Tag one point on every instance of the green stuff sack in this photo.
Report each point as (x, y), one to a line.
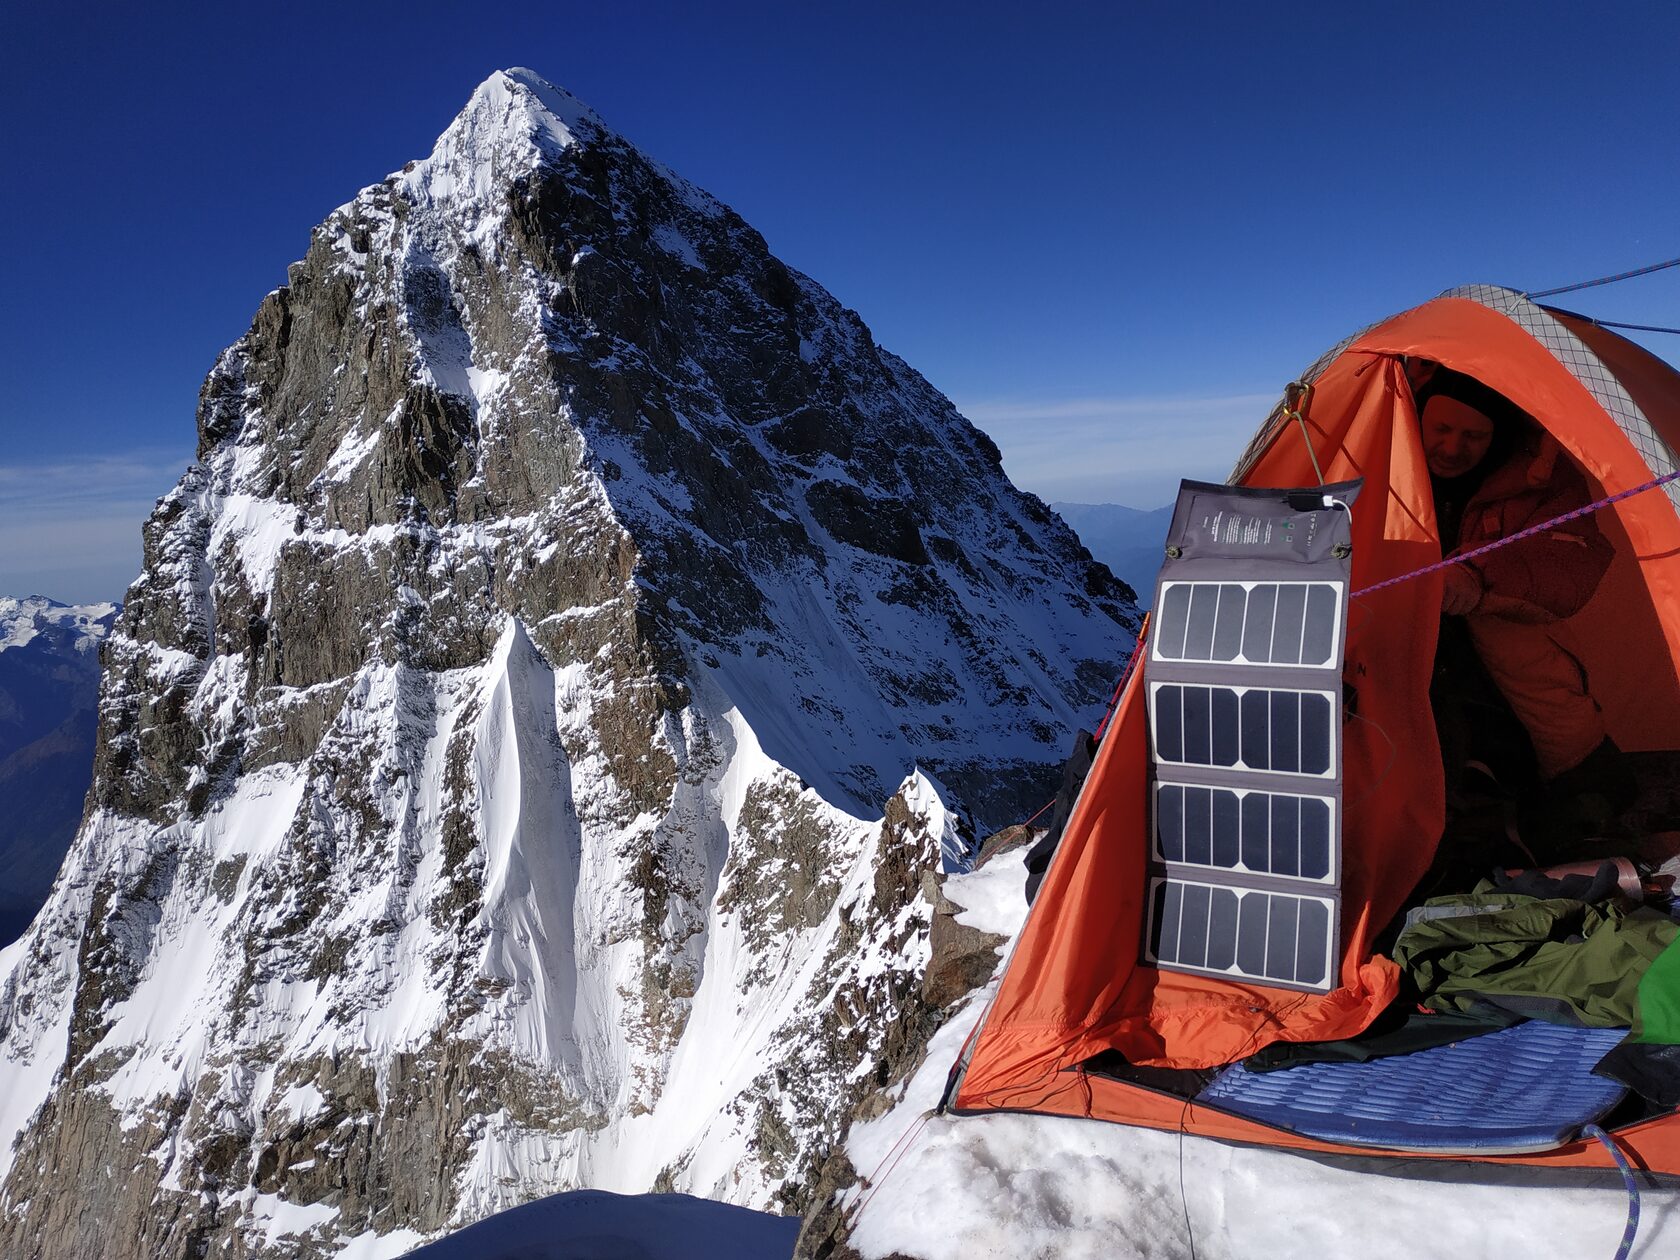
(1657, 1020)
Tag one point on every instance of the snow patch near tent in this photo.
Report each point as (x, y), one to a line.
(992, 898)
(1053, 1188)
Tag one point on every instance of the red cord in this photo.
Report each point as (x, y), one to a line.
(1125, 677)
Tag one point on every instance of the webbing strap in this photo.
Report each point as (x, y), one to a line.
(1521, 534)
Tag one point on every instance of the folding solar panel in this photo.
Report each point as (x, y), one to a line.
(1244, 695)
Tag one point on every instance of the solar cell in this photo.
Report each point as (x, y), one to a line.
(1173, 621)
(1266, 936)
(1250, 623)
(1270, 730)
(1244, 693)
(1245, 830)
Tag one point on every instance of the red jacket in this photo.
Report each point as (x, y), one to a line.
(1553, 574)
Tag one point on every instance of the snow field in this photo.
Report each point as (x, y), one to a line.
(1048, 1188)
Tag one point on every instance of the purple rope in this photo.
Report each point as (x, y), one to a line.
(1521, 534)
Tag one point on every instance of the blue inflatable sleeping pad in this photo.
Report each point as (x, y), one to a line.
(1529, 1087)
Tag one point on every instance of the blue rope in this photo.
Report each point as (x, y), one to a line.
(1593, 284)
(1608, 323)
(1627, 1180)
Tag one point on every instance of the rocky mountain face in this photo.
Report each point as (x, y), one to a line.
(49, 693)
(1132, 543)
(519, 762)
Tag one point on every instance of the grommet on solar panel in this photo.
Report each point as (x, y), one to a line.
(1244, 695)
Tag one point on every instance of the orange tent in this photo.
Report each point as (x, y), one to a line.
(1076, 987)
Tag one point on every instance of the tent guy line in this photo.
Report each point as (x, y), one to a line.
(1593, 284)
(1610, 323)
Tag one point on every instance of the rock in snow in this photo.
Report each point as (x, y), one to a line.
(520, 757)
(49, 691)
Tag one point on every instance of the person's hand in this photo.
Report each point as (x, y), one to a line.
(1462, 590)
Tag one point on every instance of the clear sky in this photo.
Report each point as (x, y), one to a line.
(1110, 232)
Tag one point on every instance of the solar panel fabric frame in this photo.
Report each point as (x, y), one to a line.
(1243, 682)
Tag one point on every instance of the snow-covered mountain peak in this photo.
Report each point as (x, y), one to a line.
(82, 626)
(514, 120)
(559, 104)
(543, 707)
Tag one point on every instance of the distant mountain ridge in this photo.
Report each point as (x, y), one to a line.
(1129, 541)
(49, 699)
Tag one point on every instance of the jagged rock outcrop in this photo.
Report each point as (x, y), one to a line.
(49, 692)
(962, 957)
(520, 759)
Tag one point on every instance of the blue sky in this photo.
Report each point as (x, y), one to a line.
(1109, 232)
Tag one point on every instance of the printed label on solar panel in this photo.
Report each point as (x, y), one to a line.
(1249, 623)
(1261, 526)
(1262, 729)
(1246, 831)
(1243, 933)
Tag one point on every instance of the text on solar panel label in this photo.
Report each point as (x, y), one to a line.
(1262, 936)
(1250, 623)
(1263, 833)
(1273, 731)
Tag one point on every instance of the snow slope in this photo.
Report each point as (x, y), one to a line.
(1047, 1188)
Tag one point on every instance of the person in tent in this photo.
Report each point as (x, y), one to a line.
(1493, 472)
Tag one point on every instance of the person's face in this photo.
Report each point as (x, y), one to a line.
(1456, 436)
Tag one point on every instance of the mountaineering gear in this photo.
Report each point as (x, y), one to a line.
(1554, 958)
